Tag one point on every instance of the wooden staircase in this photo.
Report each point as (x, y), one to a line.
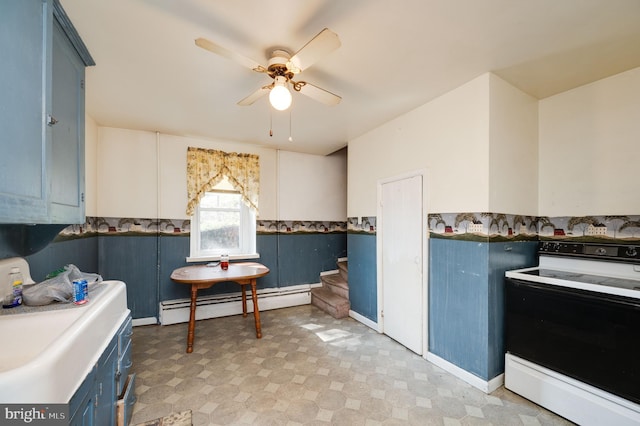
(333, 296)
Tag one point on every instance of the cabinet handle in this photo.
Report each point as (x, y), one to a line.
(51, 120)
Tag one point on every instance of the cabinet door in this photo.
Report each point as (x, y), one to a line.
(106, 386)
(86, 415)
(82, 403)
(67, 134)
(24, 29)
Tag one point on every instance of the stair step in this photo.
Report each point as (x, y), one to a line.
(336, 284)
(328, 301)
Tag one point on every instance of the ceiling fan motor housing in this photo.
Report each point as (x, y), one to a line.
(277, 65)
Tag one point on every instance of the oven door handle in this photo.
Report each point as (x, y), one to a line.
(577, 292)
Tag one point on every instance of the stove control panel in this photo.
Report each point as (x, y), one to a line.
(614, 252)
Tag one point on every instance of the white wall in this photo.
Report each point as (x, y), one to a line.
(513, 150)
(448, 136)
(90, 163)
(143, 175)
(127, 173)
(590, 149)
(300, 175)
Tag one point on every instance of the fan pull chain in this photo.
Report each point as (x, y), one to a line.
(290, 137)
(270, 123)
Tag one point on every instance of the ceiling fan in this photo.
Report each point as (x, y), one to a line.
(282, 68)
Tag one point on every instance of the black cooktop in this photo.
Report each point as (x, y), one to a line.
(586, 278)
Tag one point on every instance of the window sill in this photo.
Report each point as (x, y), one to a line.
(217, 258)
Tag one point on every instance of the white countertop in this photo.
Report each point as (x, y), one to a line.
(47, 354)
(582, 280)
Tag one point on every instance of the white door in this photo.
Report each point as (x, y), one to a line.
(402, 262)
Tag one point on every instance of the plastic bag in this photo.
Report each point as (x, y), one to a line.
(58, 288)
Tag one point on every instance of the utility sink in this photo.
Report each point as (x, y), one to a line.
(48, 351)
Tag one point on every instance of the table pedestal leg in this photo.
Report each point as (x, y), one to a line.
(192, 319)
(256, 311)
(244, 301)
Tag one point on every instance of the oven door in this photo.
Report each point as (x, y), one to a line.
(591, 337)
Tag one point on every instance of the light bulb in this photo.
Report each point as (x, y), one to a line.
(280, 97)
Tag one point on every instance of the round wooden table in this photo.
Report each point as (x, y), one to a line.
(203, 276)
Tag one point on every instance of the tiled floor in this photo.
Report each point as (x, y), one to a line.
(308, 368)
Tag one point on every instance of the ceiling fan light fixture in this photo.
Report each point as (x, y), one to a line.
(280, 96)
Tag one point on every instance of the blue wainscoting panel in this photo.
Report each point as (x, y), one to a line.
(363, 284)
(175, 249)
(134, 260)
(503, 257)
(458, 293)
(82, 252)
(301, 257)
(267, 247)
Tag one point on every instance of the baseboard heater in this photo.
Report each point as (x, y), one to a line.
(222, 305)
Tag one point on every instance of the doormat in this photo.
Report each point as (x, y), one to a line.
(176, 419)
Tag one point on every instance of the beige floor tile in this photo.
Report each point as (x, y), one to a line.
(308, 369)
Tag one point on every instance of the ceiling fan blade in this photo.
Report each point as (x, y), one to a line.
(322, 44)
(219, 50)
(318, 94)
(255, 96)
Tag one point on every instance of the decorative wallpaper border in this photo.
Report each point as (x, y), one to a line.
(600, 229)
(497, 227)
(265, 227)
(363, 225)
(483, 227)
(125, 226)
(182, 227)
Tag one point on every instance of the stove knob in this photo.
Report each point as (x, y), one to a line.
(601, 251)
(631, 252)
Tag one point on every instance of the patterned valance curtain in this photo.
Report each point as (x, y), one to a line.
(207, 167)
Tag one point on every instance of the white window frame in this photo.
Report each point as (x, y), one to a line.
(247, 249)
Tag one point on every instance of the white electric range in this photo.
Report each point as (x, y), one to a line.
(572, 332)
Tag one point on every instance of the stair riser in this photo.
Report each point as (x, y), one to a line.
(341, 311)
(344, 272)
(342, 292)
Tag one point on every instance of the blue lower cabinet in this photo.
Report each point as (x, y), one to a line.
(101, 395)
(106, 385)
(82, 403)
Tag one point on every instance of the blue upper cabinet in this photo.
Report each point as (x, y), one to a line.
(67, 134)
(23, 39)
(41, 114)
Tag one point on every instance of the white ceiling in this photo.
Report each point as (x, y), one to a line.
(395, 56)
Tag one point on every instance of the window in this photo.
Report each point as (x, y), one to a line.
(222, 224)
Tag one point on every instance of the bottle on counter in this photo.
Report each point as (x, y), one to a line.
(14, 297)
